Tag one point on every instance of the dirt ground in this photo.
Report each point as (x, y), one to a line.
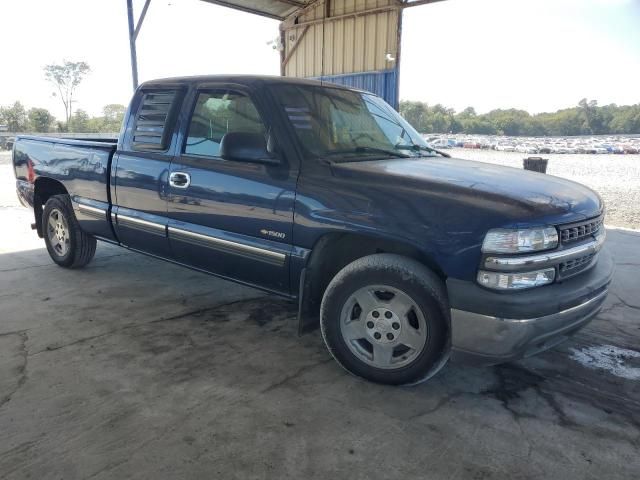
(135, 368)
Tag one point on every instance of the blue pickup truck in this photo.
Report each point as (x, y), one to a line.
(327, 196)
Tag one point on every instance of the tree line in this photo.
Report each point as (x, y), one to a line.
(18, 119)
(65, 77)
(587, 118)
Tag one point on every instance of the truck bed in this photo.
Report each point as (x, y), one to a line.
(81, 165)
(81, 162)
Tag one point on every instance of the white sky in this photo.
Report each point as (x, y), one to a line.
(538, 55)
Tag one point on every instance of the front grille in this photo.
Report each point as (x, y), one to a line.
(575, 265)
(578, 231)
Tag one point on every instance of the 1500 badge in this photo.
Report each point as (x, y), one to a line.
(271, 233)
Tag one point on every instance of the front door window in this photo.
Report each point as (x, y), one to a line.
(215, 115)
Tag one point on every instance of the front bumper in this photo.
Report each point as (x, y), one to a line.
(489, 327)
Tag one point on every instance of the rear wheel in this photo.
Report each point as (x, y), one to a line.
(67, 244)
(384, 317)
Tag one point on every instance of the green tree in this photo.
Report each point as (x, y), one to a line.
(110, 121)
(468, 112)
(414, 113)
(79, 122)
(40, 119)
(112, 115)
(592, 118)
(509, 122)
(61, 127)
(626, 120)
(66, 77)
(584, 119)
(14, 117)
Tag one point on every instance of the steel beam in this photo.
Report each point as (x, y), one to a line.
(141, 19)
(417, 3)
(133, 36)
(287, 57)
(362, 13)
(295, 3)
(132, 45)
(302, 11)
(245, 9)
(396, 104)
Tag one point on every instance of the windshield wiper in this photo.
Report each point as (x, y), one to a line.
(416, 147)
(384, 151)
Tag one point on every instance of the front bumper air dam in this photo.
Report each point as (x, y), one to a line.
(509, 326)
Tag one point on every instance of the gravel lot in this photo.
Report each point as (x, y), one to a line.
(615, 177)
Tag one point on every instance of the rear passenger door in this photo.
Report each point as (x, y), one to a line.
(140, 176)
(232, 218)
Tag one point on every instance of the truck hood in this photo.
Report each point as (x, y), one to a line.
(519, 194)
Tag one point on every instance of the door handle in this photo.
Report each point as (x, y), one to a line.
(179, 179)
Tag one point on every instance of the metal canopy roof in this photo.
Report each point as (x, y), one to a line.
(281, 9)
(276, 9)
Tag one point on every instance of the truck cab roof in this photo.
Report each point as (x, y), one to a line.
(246, 80)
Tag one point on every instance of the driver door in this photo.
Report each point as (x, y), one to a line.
(232, 218)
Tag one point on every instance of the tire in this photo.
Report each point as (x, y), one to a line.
(67, 244)
(416, 331)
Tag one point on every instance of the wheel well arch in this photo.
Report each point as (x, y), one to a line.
(342, 249)
(44, 189)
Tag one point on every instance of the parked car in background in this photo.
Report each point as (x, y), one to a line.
(325, 195)
(505, 147)
(526, 148)
(612, 144)
(443, 143)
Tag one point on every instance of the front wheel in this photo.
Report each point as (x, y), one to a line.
(66, 243)
(385, 318)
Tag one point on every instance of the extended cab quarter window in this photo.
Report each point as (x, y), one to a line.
(215, 115)
(154, 120)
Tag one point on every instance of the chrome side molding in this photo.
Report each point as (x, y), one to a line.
(139, 224)
(215, 243)
(228, 246)
(92, 211)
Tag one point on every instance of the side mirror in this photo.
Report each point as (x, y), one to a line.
(246, 147)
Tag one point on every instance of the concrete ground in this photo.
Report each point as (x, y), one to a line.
(135, 368)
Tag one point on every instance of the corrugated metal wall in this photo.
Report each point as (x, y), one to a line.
(383, 84)
(357, 36)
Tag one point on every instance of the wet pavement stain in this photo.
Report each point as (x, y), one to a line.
(621, 362)
(512, 381)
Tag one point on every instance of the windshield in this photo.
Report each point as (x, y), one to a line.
(347, 125)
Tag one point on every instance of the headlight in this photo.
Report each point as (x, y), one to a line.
(516, 281)
(518, 241)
